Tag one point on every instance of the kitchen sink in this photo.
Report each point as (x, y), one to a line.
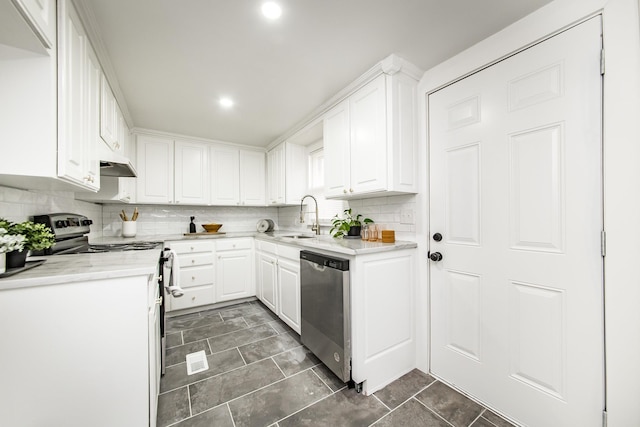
(299, 236)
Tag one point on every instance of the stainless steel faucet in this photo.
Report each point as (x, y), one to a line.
(315, 227)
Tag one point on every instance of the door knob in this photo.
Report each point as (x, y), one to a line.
(437, 237)
(436, 256)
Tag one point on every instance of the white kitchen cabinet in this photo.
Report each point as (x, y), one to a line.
(279, 280)
(155, 362)
(108, 116)
(252, 178)
(155, 169)
(370, 140)
(96, 335)
(237, 177)
(286, 174)
(289, 286)
(77, 66)
(197, 274)
(235, 276)
(40, 15)
(191, 170)
(267, 280)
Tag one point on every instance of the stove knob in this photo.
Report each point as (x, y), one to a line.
(62, 223)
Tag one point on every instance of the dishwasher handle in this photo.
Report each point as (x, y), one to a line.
(325, 261)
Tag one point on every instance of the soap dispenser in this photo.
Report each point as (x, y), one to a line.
(192, 226)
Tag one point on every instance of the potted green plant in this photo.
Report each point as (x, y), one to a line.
(37, 237)
(349, 225)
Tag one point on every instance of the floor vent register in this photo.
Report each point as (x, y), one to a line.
(196, 362)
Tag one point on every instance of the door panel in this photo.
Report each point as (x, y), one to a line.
(516, 191)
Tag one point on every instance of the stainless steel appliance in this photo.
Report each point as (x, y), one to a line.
(325, 310)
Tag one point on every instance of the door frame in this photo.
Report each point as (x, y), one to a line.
(621, 106)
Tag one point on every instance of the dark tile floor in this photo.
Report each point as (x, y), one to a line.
(260, 375)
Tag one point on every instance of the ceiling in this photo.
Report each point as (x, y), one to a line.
(174, 59)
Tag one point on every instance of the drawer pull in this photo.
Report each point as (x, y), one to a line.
(193, 277)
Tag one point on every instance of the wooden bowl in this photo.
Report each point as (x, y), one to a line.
(211, 228)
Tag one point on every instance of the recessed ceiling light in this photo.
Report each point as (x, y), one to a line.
(226, 102)
(271, 10)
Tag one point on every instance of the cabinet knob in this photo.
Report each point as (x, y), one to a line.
(193, 261)
(344, 191)
(193, 298)
(191, 247)
(193, 277)
(351, 190)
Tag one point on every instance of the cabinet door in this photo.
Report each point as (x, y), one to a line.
(234, 275)
(41, 17)
(368, 162)
(336, 138)
(155, 170)
(92, 162)
(252, 178)
(154, 351)
(268, 274)
(225, 176)
(289, 293)
(108, 115)
(276, 175)
(72, 130)
(296, 178)
(191, 173)
(121, 131)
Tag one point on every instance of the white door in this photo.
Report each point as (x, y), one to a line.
(233, 278)
(252, 173)
(155, 170)
(268, 281)
(191, 173)
(516, 193)
(225, 176)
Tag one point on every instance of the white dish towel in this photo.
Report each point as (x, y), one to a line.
(174, 275)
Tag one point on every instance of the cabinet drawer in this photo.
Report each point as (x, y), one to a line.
(194, 297)
(266, 246)
(233, 244)
(196, 259)
(196, 276)
(290, 252)
(192, 247)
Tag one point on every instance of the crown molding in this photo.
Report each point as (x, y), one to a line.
(90, 23)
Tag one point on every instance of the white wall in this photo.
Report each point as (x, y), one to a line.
(621, 177)
(19, 205)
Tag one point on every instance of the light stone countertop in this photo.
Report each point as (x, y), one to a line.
(61, 269)
(323, 242)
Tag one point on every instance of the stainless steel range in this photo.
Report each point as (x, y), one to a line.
(71, 231)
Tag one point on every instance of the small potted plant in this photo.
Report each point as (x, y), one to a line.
(37, 237)
(9, 243)
(350, 225)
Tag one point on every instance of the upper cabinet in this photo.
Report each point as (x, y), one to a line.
(237, 177)
(78, 80)
(109, 116)
(286, 174)
(28, 24)
(370, 138)
(155, 169)
(191, 173)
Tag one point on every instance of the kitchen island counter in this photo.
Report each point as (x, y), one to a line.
(63, 269)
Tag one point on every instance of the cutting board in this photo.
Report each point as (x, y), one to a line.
(204, 233)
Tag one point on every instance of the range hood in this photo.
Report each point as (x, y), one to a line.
(114, 164)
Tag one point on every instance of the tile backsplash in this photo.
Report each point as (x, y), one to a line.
(172, 219)
(395, 212)
(21, 205)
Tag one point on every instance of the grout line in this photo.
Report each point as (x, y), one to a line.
(241, 356)
(181, 338)
(384, 404)
(189, 400)
(209, 345)
(331, 393)
(478, 417)
(434, 412)
(230, 414)
(323, 381)
(285, 375)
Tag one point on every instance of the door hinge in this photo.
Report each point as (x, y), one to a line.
(602, 62)
(604, 418)
(603, 243)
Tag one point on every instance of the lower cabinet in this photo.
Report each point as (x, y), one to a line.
(86, 345)
(279, 281)
(197, 274)
(235, 277)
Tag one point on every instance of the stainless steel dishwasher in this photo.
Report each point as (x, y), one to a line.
(325, 310)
